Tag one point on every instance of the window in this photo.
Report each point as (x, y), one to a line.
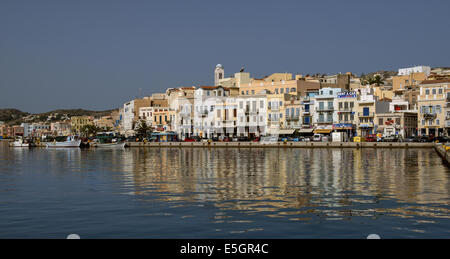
(427, 92)
(261, 104)
(423, 122)
(253, 91)
(440, 90)
(380, 121)
(433, 91)
(287, 90)
(281, 90)
(397, 121)
(276, 90)
(287, 112)
(340, 105)
(242, 93)
(241, 105)
(437, 121)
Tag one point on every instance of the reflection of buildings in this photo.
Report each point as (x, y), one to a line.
(332, 182)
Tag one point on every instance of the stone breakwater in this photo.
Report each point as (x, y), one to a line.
(283, 144)
(444, 152)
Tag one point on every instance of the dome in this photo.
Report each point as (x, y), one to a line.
(219, 66)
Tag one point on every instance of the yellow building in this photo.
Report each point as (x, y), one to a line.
(432, 102)
(77, 122)
(365, 112)
(408, 81)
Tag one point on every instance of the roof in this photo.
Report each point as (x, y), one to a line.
(428, 82)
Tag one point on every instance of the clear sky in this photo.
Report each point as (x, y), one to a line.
(99, 54)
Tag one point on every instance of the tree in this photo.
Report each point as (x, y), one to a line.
(370, 79)
(142, 129)
(89, 130)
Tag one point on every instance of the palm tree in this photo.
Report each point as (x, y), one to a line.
(143, 129)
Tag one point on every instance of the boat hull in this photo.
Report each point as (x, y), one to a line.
(72, 143)
(110, 145)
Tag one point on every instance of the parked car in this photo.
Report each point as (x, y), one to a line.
(243, 139)
(441, 139)
(189, 140)
(317, 137)
(371, 138)
(256, 139)
(390, 139)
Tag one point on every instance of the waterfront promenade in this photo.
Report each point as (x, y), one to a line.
(284, 144)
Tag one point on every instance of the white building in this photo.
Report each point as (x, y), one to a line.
(128, 118)
(214, 111)
(251, 115)
(416, 69)
(324, 112)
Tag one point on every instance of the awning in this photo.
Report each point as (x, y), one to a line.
(323, 131)
(306, 130)
(286, 132)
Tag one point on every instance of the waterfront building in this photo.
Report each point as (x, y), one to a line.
(324, 110)
(158, 118)
(35, 129)
(61, 128)
(104, 122)
(181, 101)
(78, 122)
(399, 123)
(346, 109)
(208, 120)
(131, 110)
(252, 114)
(432, 102)
(365, 111)
(306, 113)
(275, 112)
(292, 114)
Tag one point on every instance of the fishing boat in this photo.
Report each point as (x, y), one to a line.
(19, 143)
(70, 142)
(110, 145)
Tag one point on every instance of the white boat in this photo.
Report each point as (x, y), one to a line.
(110, 145)
(70, 142)
(19, 143)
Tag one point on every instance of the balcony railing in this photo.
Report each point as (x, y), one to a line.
(366, 114)
(345, 109)
(324, 121)
(428, 115)
(365, 124)
(292, 118)
(324, 109)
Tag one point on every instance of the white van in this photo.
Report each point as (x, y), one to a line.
(317, 137)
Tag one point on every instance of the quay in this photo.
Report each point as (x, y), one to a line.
(283, 144)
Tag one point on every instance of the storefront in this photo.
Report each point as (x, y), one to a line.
(347, 128)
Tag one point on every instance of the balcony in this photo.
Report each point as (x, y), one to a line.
(366, 114)
(204, 113)
(429, 115)
(345, 109)
(365, 124)
(292, 118)
(324, 121)
(277, 108)
(324, 109)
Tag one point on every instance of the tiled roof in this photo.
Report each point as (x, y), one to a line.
(428, 82)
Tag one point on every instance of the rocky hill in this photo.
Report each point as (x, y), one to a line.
(14, 116)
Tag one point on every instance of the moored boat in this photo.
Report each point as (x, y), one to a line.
(19, 143)
(110, 145)
(70, 142)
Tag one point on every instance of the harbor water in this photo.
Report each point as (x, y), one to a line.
(223, 193)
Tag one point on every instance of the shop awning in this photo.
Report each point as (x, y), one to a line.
(323, 131)
(306, 130)
(286, 132)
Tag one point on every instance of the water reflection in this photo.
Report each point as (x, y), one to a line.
(175, 192)
(329, 182)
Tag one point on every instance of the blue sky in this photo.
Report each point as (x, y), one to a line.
(99, 54)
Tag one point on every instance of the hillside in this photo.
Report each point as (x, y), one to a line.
(14, 116)
(7, 115)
